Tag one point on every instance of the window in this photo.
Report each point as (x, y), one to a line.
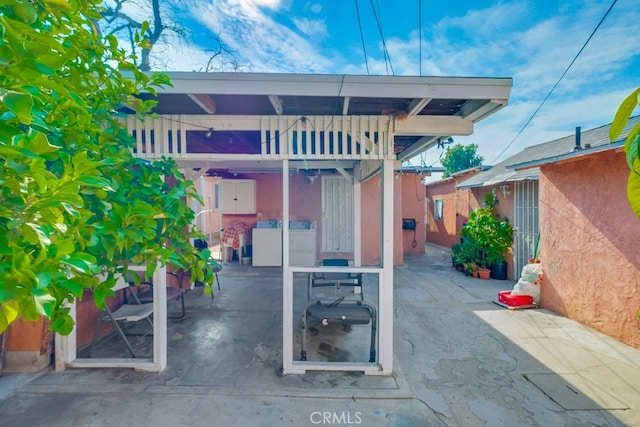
(437, 208)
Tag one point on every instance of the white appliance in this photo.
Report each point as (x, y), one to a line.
(302, 243)
(267, 244)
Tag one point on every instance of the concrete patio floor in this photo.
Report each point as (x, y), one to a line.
(460, 360)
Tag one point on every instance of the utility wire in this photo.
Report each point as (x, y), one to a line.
(420, 33)
(364, 49)
(384, 44)
(557, 83)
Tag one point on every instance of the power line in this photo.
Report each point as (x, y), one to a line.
(364, 49)
(420, 34)
(557, 83)
(384, 44)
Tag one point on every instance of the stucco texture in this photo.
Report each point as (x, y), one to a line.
(589, 245)
(413, 207)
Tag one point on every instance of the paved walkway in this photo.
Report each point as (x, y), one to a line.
(460, 360)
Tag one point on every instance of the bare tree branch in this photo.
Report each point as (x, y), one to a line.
(124, 17)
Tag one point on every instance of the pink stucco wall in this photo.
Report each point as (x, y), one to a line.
(413, 206)
(589, 245)
(306, 204)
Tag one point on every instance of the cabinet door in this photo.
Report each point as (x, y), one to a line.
(237, 196)
(246, 195)
(227, 196)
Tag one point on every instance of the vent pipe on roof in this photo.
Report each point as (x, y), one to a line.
(578, 146)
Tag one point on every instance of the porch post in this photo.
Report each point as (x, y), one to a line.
(357, 217)
(385, 300)
(160, 318)
(287, 280)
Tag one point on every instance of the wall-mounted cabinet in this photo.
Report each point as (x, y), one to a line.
(237, 196)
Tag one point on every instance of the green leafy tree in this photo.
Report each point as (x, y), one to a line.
(460, 157)
(631, 147)
(75, 203)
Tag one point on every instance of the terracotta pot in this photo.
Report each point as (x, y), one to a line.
(484, 273)
(475, 274)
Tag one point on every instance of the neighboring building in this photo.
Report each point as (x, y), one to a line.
(589, 235)
(448, 209)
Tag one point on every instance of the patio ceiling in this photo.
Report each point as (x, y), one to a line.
(427, 109)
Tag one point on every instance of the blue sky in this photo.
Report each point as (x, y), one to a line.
(531, 41)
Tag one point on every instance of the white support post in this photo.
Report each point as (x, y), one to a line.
(287, 281)
(357, 217)
(160, 318)
(65, 350)
(385, 300)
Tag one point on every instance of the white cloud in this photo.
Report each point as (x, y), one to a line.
(266, 44)
(315, 7)
(310, 27)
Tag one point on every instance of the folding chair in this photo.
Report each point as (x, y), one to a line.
(325, 311)
(127, 313)
(173, 293)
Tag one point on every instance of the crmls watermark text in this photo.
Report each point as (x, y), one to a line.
(336, 418)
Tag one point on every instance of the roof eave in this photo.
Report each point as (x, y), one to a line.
(563, 157)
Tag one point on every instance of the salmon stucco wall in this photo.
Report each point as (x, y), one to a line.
(413, 207)
(589, 245)
(371, 196)
(442, 231)
(456, 207)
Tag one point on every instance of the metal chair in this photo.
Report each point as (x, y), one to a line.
(173, 293)
(127, 313)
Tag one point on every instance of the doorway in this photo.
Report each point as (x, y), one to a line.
(337, 214)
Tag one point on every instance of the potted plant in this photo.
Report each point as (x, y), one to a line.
(471, 268)
(492, 234)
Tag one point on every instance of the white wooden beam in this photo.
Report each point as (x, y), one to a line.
(205, 102)
(339, 85)
(476, 110)
(433, 125)
(418, 147)
(345, 174)
(277, 104)
(417, 105)
(345, 105)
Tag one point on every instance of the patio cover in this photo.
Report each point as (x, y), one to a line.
(420, 112)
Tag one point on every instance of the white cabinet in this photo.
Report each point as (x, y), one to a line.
(237, 196)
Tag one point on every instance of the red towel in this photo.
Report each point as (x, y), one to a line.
(232, 232)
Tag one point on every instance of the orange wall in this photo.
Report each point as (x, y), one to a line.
(29, 336)
(372, 219)
(412, 191)
(456, 207)
(442, 231)
(589, 245)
